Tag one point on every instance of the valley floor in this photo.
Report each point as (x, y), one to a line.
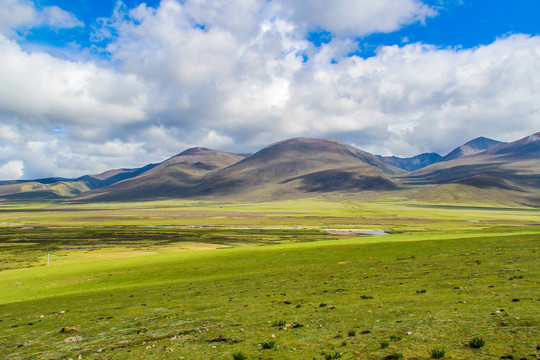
(124, 281)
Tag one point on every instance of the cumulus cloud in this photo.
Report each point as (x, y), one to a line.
(275, 84)
(12, 170)
(23, 14)
(358, 17)
(57, 18)
(238, 75)
(16, 13)
(46, 91)
(28, 151)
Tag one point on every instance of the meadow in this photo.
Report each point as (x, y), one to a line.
(206, 280)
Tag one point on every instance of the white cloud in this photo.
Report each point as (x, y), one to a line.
(45, 90)
(238, 75)
(358, 17)
(16, 13)
(57, 18)
(12, 170)
(23, 14)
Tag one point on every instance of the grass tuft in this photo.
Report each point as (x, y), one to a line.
(333, 356)
(384, 344)
(437, 353)
(270, 344)
(239, 356)
(477, 342)
(394, 356)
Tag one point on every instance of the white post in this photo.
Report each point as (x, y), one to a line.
(48, 258)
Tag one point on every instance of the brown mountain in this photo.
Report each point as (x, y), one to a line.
(299, 166)
(63, 188)
(174, 177)
(509, 172)
(472, 147)
(505, 173)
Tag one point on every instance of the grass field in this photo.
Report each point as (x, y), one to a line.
(196, 280)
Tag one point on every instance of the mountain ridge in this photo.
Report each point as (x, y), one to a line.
(300, 167)
(471, 147)
(295, 166)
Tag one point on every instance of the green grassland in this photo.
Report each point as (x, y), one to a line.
(203, 280)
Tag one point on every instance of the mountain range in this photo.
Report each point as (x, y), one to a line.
(481, 170)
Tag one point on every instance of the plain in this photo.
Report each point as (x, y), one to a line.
(204, 280)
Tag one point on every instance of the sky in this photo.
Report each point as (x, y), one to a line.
(91, 85)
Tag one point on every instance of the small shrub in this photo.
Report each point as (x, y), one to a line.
(477, 342)
(394, 356)
(322, 305)
(339, 335)
(279, 323)
(384, 344)
(437, 353)
(270, 344)
(366, 297)
(351, 333)
(422, 291)
(333, 356)
(396, 337)
(343, 343)
(239, 356)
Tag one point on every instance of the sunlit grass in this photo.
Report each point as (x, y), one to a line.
(130, 291)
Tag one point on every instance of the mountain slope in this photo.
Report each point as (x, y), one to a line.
(412, 163)
(526, 148)
(509, 170)
(63, 188)
(174, 177)
(294, 167)
(472, 147)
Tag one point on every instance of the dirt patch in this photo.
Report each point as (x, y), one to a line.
(220, 338)
(70, 330)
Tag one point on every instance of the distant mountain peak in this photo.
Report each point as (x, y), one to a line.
(303, 140)
(471, 147)
(197, 151)
(482, 143)
(412, 163)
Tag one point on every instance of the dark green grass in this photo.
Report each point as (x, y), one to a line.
(213, 304)
(28, 246)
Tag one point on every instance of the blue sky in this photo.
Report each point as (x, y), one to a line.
(459, 23)
(92, 85)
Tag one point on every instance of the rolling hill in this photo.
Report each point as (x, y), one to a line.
(300, 166)
(63, 188)
(414, 163)
(175, 177)
(508, 172)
